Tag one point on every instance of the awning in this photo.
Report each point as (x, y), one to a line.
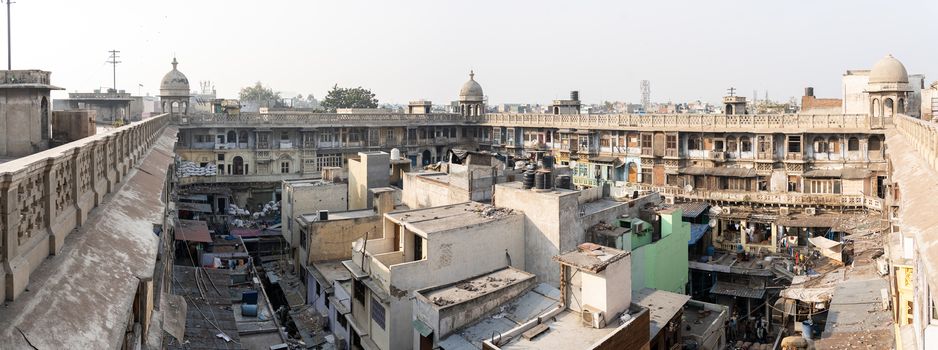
(603, 159)
(693, 209)
(719, 171)
(246, 232)
(808, 295)
(422, 328)
(828, 248)
(696, 232)
(846, 174)
(194, 197)
(193, 231)
(194, 207)
(737, 290)
(808, 221)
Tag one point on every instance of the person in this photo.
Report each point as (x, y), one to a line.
(733, 327)
(760, 332)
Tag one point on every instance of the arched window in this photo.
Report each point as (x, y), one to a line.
(900, 107)
(875, 108)
(887, 108)
(853, 144)
(232, 138)
(238, 165)
(44, 118)
(243, 136)
(731, 144)
(729, 109)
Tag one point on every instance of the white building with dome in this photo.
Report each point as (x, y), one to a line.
(883, 91)
(471, 98)
(174, 91)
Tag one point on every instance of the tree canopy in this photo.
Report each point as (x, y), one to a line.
(264, 96)
(349, 98)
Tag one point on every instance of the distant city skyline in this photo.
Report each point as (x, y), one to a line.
(522, 52)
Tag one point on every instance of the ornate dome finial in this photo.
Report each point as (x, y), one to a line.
(174, 62)
(472, 74)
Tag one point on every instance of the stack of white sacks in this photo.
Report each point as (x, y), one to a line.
(187, 168)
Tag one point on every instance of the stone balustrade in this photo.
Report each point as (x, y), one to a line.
(44, 196)
(765, 198)
(921, 134)
(650, 122)
(687, 122)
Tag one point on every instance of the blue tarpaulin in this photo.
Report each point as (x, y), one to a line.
(697, 231)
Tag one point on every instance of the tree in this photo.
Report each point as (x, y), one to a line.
(263, 96)
(349, 98)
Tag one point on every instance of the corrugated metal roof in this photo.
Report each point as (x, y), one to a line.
(696, 232)
(737, 290)
(693, 209)
(847, 174)
(719, 171)
(193, 231)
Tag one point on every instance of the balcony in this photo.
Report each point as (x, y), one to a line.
(285, 145)
(769, 198)
(794, 156)
(718, 156)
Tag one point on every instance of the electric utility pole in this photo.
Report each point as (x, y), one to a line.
(113, 61)
(9, 45)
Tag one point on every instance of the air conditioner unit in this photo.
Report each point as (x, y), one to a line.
(810, 211)
(669, 200)
(593, 317)
(784, 211)
(726, 210)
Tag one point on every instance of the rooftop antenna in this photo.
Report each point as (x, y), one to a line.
(732, 91)
(113, 61)
(9, 45)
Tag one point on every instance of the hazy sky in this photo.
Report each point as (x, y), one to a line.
(521, 51)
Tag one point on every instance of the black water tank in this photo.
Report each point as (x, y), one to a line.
(563, 181)
(548, 162)
(548, 179)
(575, 95)
(539, 180)
(528, 180)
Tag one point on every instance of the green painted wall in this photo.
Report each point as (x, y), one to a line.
(663, 264)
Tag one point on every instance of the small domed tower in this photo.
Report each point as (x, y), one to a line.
(174, 91)
(888, 88)
(471, 98)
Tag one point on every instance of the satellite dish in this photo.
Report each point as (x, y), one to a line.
(688, 188)
(713, 223)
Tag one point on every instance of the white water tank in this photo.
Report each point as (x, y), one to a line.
(395, 154)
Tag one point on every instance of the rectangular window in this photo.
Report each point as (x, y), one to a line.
(284, 135)
(302, 237)
(794, 144)
(221, 156)
(342, 322)
(358, 289)
(284, 167)
(411, 136)
(605, 140)
(646, 175)
(671, 142)
(389, 138)
(377, 312)
(646, 140)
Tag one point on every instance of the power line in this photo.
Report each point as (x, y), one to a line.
(113, 61)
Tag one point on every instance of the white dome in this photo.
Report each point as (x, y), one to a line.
(888, 70)
(471, 90)
(174, 83)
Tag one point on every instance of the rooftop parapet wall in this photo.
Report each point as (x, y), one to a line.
(45, 195)
(861, 123)
(688, 122)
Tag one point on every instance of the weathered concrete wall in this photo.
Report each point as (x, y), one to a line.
(546, 215)
(371, 170)
(452, 256)
(68, 126)
(299, 197)
(630, 336)
(24, 130)
(426, 192)
(445, 319)
(332, 239)
(609, 291)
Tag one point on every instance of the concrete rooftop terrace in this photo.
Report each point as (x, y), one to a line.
(450, 217)
(465, 290)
